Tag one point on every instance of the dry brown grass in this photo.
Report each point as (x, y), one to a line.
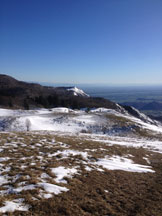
(114, 193)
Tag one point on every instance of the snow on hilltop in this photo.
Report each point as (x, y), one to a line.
(77, 92)
(97, 121)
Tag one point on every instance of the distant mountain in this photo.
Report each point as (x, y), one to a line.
(18, 94)
(73, 91)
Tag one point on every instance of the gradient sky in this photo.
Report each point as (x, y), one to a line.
(82, 41)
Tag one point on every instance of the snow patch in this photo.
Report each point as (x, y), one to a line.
(11, 206)
(121, 163)
(51, 188)
(66, 153)
(62, 172)
(3, 180)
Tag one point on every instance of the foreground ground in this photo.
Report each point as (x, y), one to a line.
(47, 173)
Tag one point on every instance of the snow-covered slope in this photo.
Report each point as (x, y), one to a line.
(77, 92)
(97, 121)
(133, 111)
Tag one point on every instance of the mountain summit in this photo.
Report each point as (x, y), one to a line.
(23, 95)
(77, 92)
(18, 94)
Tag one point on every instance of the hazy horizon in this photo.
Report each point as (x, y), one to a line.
(101, 84)
(131, 85)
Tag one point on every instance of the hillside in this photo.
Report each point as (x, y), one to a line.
(100, 121)
(18, 94)
(47, 157)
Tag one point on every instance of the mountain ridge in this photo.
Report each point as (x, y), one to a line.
(19, 94)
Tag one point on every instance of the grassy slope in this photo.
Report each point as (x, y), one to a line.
(91, 193)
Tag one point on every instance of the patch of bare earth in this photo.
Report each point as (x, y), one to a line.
(27, 160)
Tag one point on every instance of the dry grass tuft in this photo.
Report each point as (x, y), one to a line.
(91, 193)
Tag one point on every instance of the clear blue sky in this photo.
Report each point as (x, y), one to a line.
(82, 41)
